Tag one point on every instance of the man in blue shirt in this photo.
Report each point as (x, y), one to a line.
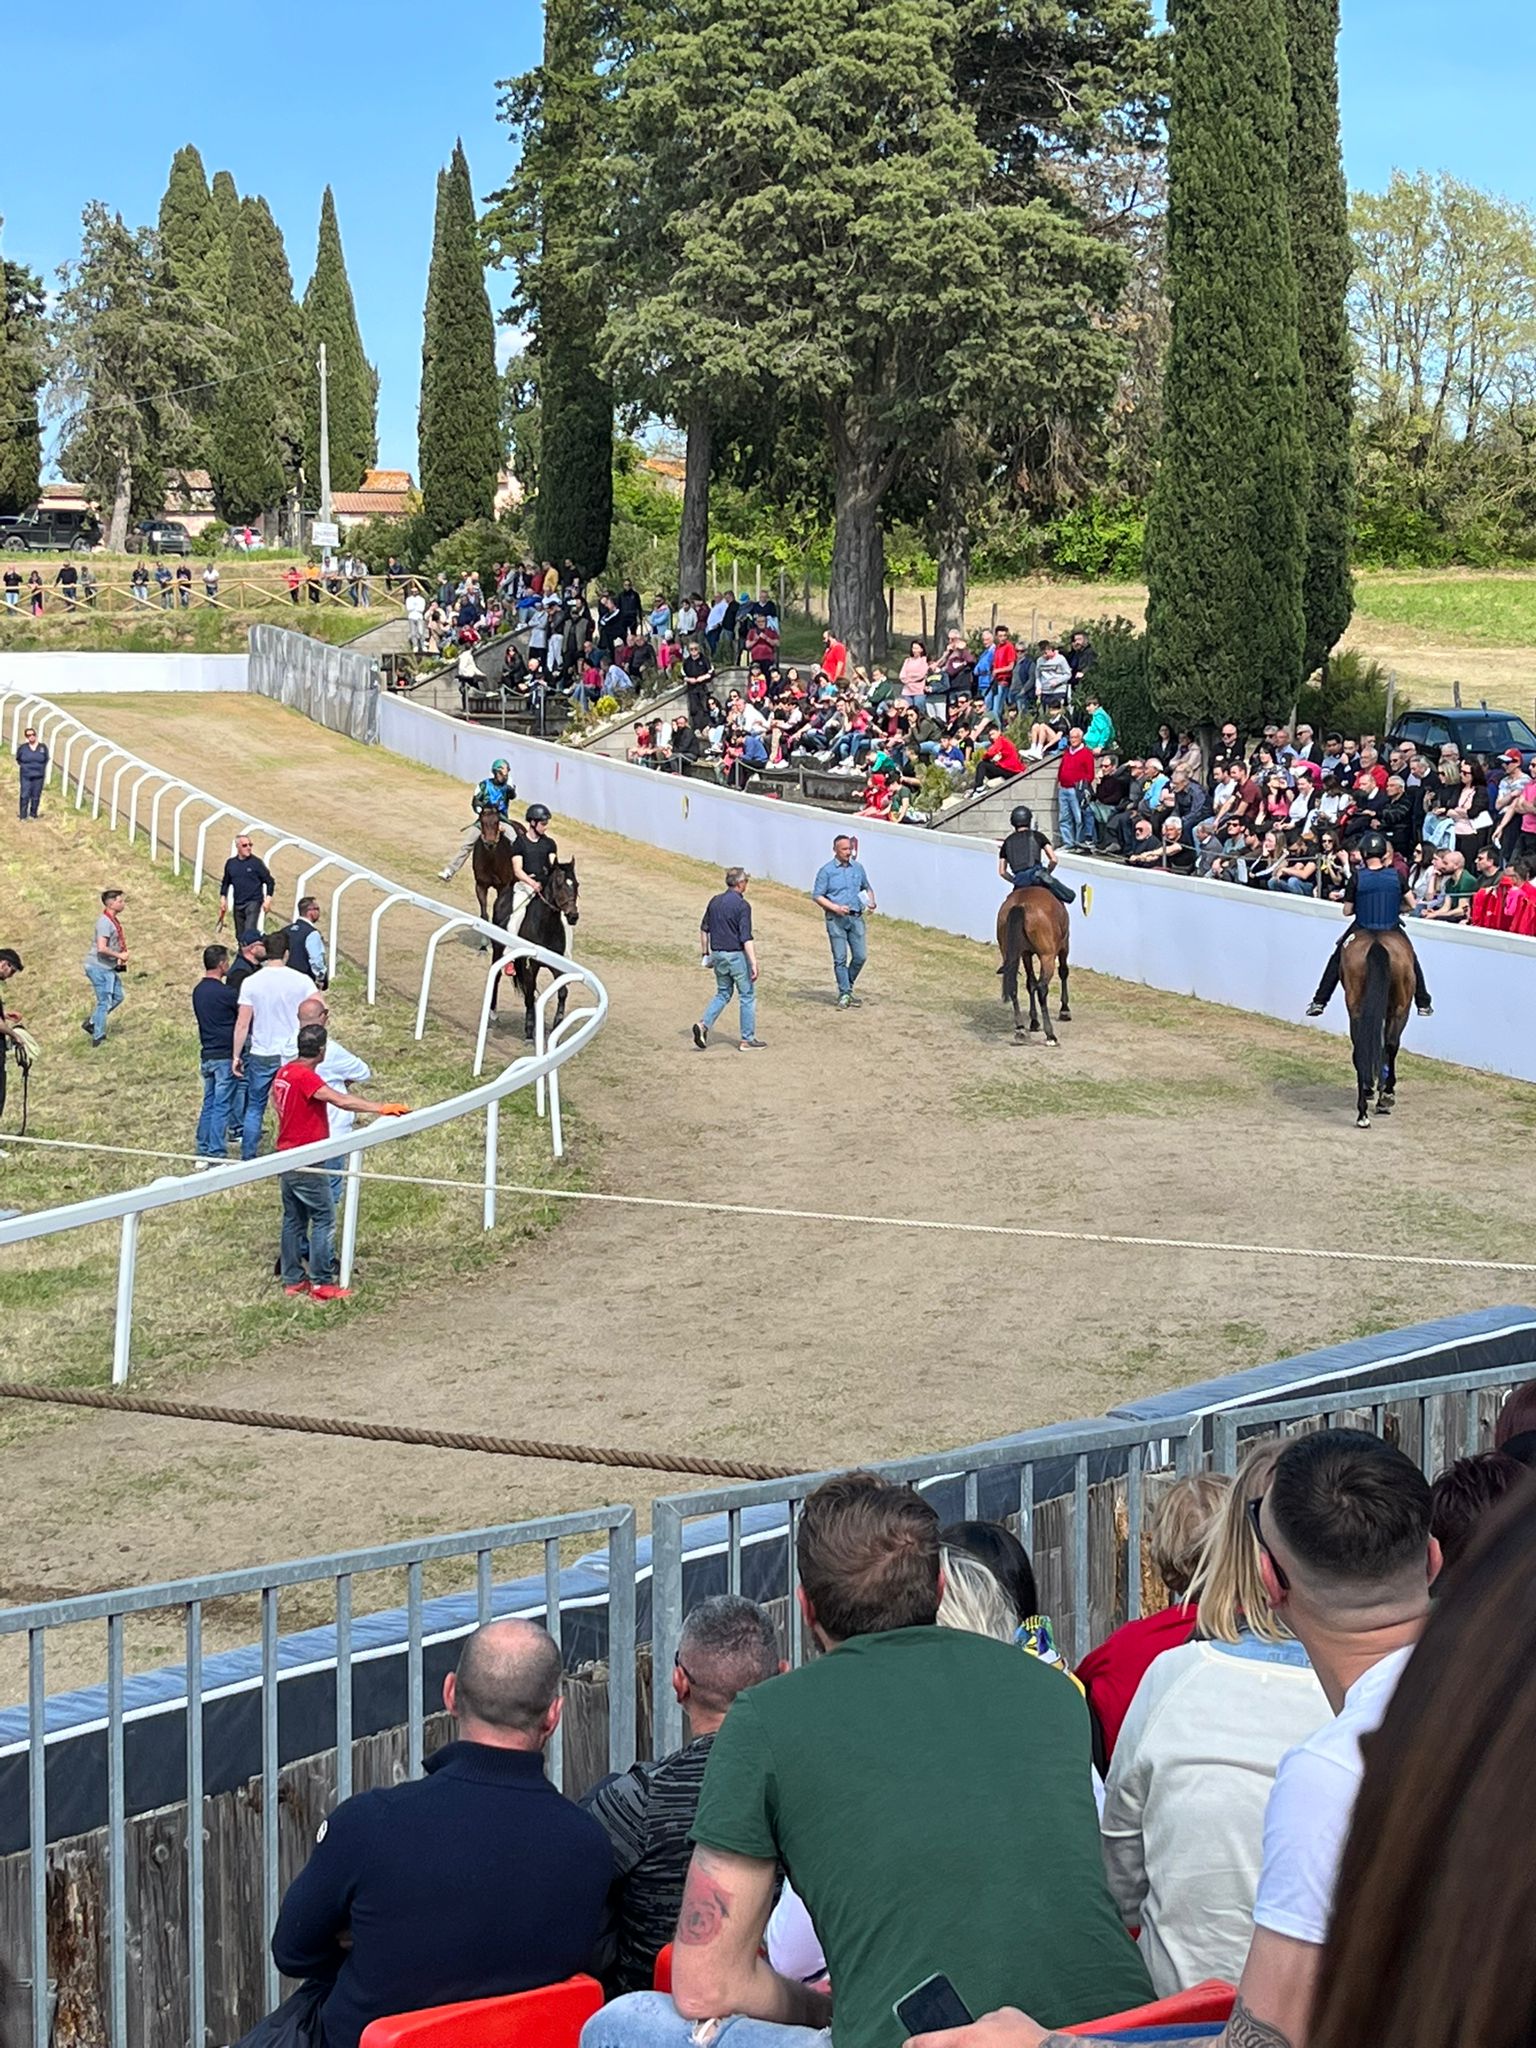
(725, 944)
(844, 892)
(1375, 894)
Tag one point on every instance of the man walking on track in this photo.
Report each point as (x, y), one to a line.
(496, 793)
(106, 964)
(301, 1100)
(844, 891)
(725, 944)
(245, 886)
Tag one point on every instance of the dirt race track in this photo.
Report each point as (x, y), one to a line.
(797, 1342)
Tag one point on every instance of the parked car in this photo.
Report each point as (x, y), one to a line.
(1475, 731)
(50, 532)
(159, 537)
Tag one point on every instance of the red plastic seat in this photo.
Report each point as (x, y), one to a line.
(551, 2017)
(1211, 2000)
(661, 1976)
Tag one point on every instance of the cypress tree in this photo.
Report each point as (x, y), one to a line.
(223, 212)
(244, 455)
(1323, 256)
(283, 327)
(330, 316)
(1226, 532)
(458, 431)
(188, 227)
(21, 326)
(573, 514)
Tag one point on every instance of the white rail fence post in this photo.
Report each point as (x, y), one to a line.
(122, 1325)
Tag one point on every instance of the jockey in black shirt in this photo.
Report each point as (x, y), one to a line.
(1026, 857)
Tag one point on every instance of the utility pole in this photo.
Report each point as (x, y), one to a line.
(325, 445)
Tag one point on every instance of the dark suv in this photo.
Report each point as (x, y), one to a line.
(1476, 731)
(159, 537)
(50, 532)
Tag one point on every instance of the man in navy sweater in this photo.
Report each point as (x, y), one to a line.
(477, 1880)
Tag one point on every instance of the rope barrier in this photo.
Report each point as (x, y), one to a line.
(395, 1433)
(1426, 1260)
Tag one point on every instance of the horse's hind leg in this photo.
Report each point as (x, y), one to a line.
(1047, 969)
(1386, 1099)
(1064, 1007)
(1029, 972)
(1363, 1082)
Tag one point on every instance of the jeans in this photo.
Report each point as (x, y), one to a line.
(850, 949)
(733, 977)
(1292, 885)
(649, 2019)
(260, 1070)
(309, 1216)
(108, 988)
(31, 795)
(218, 1112)
(1077, 826)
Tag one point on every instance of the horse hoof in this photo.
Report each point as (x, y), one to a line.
(1064, 1016)
(1053, 1041)
(1385, 1104)
(1362, 1123)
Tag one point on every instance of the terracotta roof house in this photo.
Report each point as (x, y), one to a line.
(383, 494)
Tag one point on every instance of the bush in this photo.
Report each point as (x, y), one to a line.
(605, 707)
(211, 540)
(1118, 679)
(1390, 535)
(1351, 696)
(1097, 543)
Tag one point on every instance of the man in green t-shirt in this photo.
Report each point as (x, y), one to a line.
(925, 1791)
(1461, 886)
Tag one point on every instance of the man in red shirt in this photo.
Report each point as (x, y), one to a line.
(1075, 771)
(1000, 761)
(301, 1100)
(834, 660)
(1005, 659)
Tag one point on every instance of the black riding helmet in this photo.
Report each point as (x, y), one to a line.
(1020, 817)
(1373, 846)
(538, 814)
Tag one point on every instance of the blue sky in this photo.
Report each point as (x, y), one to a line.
(370, 100)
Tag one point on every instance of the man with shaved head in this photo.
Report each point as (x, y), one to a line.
(473, 1881)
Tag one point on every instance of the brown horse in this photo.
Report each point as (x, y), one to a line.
(1032, 928)
(1376, 969)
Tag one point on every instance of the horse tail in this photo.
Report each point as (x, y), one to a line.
(1013, 953)
(1368, 1029)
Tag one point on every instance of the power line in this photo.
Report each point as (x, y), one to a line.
(159, 397)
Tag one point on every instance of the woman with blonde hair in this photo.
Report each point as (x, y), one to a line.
(1183, 1820)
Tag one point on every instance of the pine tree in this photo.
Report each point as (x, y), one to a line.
(283, 327)
(21, 374)
(1226, 533)
(331, 317)
(1323, 256)
(458, 437)
(244, 452)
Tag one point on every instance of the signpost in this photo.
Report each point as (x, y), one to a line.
(324, 533)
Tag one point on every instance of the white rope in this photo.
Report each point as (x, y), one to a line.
(1039, 1232)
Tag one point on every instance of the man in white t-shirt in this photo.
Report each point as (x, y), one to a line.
(266, 1032)
(416, 621)
(1347, 1558)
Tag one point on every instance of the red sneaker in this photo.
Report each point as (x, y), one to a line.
(326, 1292)
(303, 1287)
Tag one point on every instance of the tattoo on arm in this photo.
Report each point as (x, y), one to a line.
(705, 1910)
(1244, 2031)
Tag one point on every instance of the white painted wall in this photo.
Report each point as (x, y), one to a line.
(58, 673)
(1256, 953)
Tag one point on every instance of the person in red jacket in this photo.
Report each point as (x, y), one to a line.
(999, 763)
(1520, 905)
(1005, 659)
(1075, 770)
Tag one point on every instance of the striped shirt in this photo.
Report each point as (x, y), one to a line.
(647, 1814)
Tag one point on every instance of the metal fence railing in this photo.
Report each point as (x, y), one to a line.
(149, 1984)
(555, 1042)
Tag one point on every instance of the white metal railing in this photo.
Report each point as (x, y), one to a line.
(553, 1045)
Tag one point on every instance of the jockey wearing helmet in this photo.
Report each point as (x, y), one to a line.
(495, 793)
(1375, 895)
(1026, 857)
(533, 854)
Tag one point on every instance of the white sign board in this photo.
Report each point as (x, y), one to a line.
(324, 533)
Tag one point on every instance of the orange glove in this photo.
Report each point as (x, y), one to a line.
(394, 1109)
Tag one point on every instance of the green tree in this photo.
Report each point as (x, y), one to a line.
(331, 317)
(188, 228)
(1226, 533)
(1321, 251)
(223, 211)
(459, 431)
(21, 375)
(245, 455)
(119, 344)
(544, 223)
(283, 330)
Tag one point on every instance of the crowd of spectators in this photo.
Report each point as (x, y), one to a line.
(934, 1793)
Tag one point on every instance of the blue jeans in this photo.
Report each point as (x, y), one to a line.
(733, 977)
(108, 988)
(31, 795)
(218, 1112)
(1292, 885)
(260, 1068)
(850, 949)
(309, 1220)
(1076, 821)
(649, 2019)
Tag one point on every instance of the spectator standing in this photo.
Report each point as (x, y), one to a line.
(67, 577)
(727, 1645)
(941, 1867)
(1053, 681)
(211, 583)
(266, 1032)
(245, 887)
(106, 963)
(306, 947)
(216, 1005)
(1005, 659)
(415, 618)
(301, 1099)
(1075, 770)
(1181, 1524)
(473, 1881)
(834, 659)
(32, 764)
(726, 945)
(250, 951)
(843, 891)
(12, 586)
(184, 585)
(1183, 1819)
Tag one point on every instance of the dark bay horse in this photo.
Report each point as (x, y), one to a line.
(1032, 928)
(1376, 969)
(543, 924)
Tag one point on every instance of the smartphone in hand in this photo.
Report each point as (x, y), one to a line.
(931, 2007)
